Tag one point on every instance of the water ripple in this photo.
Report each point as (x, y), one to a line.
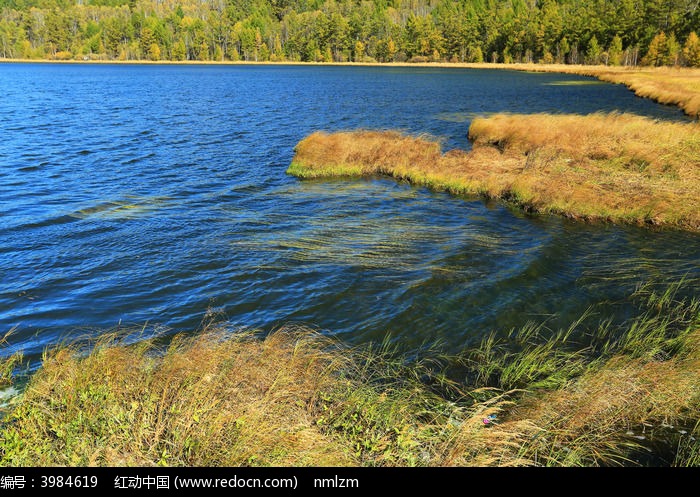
(133, 194)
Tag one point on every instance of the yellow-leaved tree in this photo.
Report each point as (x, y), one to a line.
(691, 50)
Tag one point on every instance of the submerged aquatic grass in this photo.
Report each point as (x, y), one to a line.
(581, 396)
(614, 167)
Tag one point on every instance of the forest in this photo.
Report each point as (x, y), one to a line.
(611, 32)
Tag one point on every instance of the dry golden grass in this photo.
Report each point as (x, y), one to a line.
(614, 167)
(587, 422)
(293, 398)
(207, 401)
(296, 398)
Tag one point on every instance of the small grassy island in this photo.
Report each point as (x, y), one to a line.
(615, 167)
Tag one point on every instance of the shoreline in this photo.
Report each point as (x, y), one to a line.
(562, 68)
(296, 398)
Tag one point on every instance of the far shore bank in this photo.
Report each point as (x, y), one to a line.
(536, 67)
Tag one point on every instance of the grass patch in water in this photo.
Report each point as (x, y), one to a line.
(128, 208)
(574, 83)
(297, 398)
(459, 117)
(615, 167)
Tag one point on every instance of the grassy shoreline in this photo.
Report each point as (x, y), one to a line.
(590, 395)
(672, 86)
(611, 167)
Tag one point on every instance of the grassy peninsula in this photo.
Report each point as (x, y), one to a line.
(612, 167)
(593, 394)
(666, 85)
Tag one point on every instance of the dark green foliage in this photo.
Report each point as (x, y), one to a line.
(565, 31)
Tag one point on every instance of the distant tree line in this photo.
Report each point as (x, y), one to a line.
(615, 32)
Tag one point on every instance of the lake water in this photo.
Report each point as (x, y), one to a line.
(150, 194)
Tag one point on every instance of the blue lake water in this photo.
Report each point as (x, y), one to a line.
(141, 195)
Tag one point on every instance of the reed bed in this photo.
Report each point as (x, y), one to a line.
(593, 394)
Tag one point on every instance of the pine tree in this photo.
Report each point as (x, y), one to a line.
(154, 52)
(672, 52)
(655, 52)
(258, 44)
(179, 50)
(147, 41)
(359, 51)
(691, 50)
(594, 51)
(563, 49)
(391, 50)
(277, 48)
(615, 51)
(476, 54)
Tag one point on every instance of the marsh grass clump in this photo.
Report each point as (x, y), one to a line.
(231, 399)
(10, 365)
(593, 394)
(610, 167)
(606, 396)
(210, 399)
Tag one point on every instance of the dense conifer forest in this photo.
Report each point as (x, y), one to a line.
(613, 32)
